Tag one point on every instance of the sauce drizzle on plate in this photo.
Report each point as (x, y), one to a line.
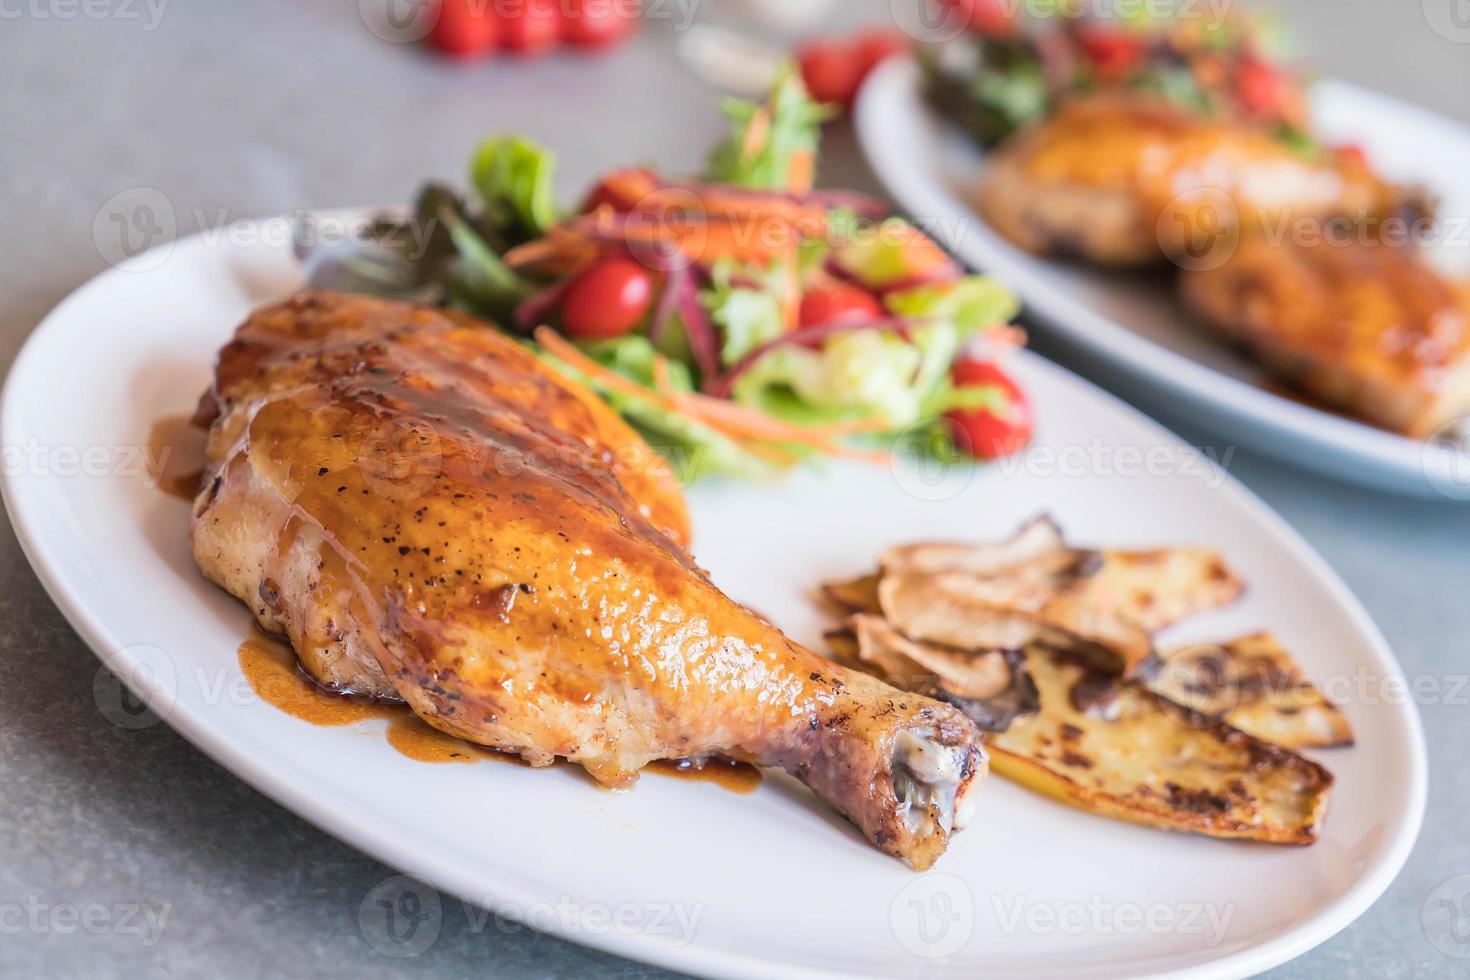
(737, 777)
(176, 456)
(271, 668)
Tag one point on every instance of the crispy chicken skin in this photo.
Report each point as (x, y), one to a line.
(1368, 329)
(1128, 180)
(428, 512)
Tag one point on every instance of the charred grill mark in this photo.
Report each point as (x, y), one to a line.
(1094, 693)
(1195, 800)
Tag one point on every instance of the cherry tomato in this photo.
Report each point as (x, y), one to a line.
(607, 300)
(529, 27)
(837, 303)
(1261, 87)
(832, 71)
(987, 433)
(1114, 53)
(988, 17)
(598, 23)
(465, 28)
(1354, 153)
(876, 46)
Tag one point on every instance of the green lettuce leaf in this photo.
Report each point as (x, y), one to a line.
(748, 314)
(972, 303)
(513, 176)
(862, 374)
(795, 127)
(479, 281)
(880, 374)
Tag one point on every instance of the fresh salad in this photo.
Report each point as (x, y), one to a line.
(1018, 58)
(743, 320)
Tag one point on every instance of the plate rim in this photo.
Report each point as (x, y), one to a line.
(19, 495)
(1398, 463)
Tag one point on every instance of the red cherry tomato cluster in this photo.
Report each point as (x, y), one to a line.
(987, 433)
(834, 70)
(476, 28)
(609, 299)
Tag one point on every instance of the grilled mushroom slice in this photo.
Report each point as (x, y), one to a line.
(991, 686)
(1041, 537)
(979, 614)
(854, 595)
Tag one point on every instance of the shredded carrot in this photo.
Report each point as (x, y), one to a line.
(743, 421)
(771, 454)
(1006, 334)
(803, 171)
(757, 132)
(560, 247)
(530, 253)
(662, 383)
(665, 387)
(558, 347)
(758, 421)
(748, 426)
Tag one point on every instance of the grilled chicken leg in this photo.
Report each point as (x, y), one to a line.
(430, 513)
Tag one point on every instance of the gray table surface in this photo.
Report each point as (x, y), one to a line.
(253, 109)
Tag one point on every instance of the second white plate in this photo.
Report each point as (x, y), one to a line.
(1133, 336)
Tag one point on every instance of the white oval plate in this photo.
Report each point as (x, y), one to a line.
(1135, 337)
(772, 881)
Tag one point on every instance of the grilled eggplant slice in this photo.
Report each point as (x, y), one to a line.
(1160, 587)
(1116, 749)
(991, 686)
(1253, 684)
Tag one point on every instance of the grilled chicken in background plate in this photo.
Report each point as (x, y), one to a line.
(1370, 329)
(1129, 180)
